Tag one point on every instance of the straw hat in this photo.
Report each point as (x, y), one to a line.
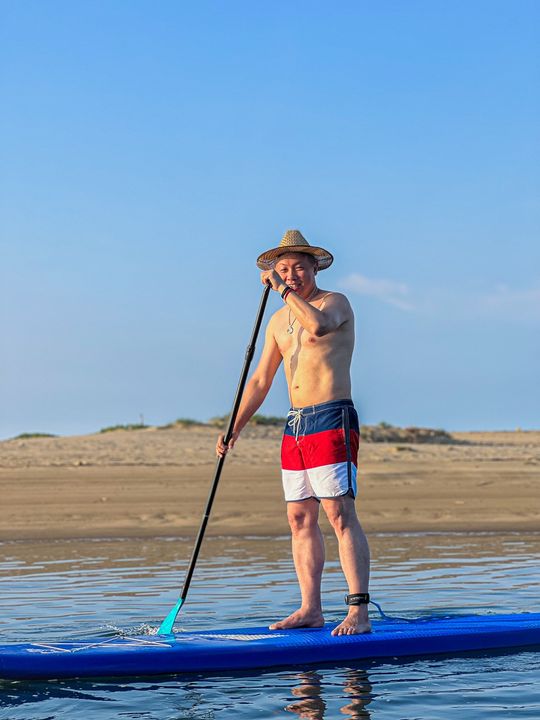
(294, 241)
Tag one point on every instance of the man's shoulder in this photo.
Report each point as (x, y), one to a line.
(335, 294)
(277, 317)
(336, 297)
(280, 312)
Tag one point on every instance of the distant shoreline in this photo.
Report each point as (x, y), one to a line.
(372, 433)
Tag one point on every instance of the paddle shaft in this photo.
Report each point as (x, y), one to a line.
(250, 351)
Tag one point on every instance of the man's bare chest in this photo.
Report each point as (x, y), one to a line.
(293, 338)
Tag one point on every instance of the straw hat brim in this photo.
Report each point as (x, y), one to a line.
(268, 258)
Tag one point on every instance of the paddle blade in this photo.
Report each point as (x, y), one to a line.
(166, 626)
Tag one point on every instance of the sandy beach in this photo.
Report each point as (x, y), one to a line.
(155, 482)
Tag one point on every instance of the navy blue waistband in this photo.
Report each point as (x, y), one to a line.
(309, 409)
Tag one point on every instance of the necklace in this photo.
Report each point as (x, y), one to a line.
(290, 329)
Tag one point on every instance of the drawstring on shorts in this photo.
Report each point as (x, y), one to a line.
(295, 421)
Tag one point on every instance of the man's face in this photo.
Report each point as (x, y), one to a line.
(298, 271)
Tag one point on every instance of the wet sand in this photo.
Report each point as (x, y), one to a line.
(152, 482)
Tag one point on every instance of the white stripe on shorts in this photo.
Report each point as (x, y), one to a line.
(326, 481)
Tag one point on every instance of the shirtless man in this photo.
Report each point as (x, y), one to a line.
(313, 334)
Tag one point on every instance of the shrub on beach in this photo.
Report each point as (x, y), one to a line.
(129, 426)
(181, 423)
(218, 421)
(384, 432)
(221, 420)
(267, 420)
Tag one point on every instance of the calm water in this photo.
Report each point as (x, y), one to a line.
(66, 590)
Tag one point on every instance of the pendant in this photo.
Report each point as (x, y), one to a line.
(290, 329)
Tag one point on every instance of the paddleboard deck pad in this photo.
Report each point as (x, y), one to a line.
(258, 647)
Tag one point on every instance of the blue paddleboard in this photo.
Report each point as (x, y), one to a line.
(258, 647)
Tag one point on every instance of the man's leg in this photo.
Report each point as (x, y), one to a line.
(308, 555)
(354, 556)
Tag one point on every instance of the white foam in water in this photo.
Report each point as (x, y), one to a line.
(136, 630)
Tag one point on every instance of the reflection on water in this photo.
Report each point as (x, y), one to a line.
(360, 690)
(64, 590)
(310, 703)
(309, 694)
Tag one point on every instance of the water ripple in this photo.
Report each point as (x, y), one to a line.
(53, 591)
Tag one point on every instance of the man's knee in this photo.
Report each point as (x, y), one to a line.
(302, 516)
(341, 513)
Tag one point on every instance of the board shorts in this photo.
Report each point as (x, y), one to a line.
(319, 451)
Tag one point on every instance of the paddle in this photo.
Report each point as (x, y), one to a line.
(167, 625)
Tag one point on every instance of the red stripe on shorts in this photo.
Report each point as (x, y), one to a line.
(323, 448)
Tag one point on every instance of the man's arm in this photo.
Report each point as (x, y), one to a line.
(256, 388)
(335, 311)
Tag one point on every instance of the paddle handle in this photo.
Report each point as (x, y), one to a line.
(250, 351)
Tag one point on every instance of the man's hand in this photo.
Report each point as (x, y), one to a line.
(270, 277)
(221, 448)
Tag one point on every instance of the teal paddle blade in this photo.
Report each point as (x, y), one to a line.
(166, 626)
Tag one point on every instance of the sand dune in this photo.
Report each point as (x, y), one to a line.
(155, 482)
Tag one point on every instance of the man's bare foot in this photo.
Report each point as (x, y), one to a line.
(299, 619)
(356, 623)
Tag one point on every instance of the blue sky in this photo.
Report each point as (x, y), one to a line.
(151, 150)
